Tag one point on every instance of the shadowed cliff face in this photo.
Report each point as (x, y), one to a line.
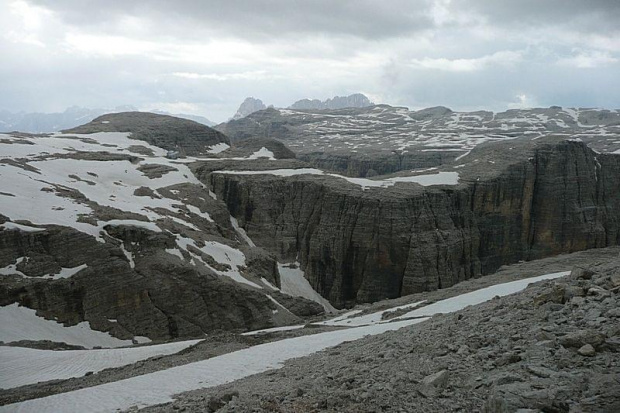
(360, 246)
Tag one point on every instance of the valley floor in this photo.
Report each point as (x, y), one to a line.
(385, 372)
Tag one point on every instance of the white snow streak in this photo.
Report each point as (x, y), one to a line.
(439, 178)
(21, 366)
(160, 387)
(294, 283)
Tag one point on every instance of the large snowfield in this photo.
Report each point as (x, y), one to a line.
(160, 387)
(21, 366)
(22, 323)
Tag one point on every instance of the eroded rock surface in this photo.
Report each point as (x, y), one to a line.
(506, 355)
(518, 200)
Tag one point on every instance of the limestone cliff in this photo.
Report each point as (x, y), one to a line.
(544, 198)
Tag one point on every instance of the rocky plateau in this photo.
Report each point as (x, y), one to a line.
(145, 251)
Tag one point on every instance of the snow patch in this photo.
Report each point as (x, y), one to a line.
(23, 366)
(22, 323)
(68, 272)
(273, 330)
(217, 148)
(294, 283)
(12, 268)
(263, 153)
(197, 211)
(160, 387)
(25, 228)
(241, 231)
(439, 178)
(176, 252)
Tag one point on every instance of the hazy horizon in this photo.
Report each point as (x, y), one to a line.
(205, 57)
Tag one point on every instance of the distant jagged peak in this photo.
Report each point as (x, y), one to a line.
(356, 100)
(249, 105)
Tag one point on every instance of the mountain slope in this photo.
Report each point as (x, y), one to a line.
(101, 228)
(167, 132)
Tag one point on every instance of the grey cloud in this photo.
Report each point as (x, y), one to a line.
(315, 49)
(600, 16)
(258, 20)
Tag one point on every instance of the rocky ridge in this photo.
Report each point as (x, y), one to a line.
(382, 139)
(356, 100)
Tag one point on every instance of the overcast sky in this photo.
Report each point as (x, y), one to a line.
(204, 57)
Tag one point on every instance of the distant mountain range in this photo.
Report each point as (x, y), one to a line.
(356, 100)
(72, 117)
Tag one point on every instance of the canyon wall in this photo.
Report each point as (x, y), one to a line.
(361, 246)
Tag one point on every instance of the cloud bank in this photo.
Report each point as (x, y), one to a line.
(207, 56)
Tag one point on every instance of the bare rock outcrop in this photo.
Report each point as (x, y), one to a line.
(538, 199)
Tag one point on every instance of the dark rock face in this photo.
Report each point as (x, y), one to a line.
(253, 126)
(362, 165)
(163, 297)
(186, 136)
(359, 246)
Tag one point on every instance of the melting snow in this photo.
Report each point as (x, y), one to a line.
(22, 366)
(21, 323)
(273, 330)
(262, 153)
(220, 147)
(439, 178)
(25, 228)
(160, 387)
(294, 283)
(68, 272)
(241, 231)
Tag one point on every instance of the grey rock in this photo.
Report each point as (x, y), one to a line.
(587, 350)
(540, 371)
(249, 106)
(580, 338)
(342, 234)
(356, 100)
(613, 344)
(433, 384)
